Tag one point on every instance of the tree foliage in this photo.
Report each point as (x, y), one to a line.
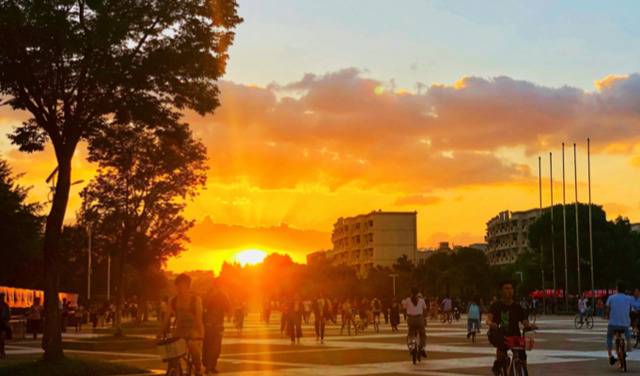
(616, 249)
(20, 233)
(80, 66)
(134, 204)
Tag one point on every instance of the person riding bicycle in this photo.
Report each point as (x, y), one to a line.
(583, 306)
(618, 309)
(417, 318)
(504, 319)
(186, 307)
(473, 317)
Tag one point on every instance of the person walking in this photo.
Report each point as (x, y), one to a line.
(216, 306)
(394, 315)
(346, 316)
(296, 311)
(321, 312)
(34, 318)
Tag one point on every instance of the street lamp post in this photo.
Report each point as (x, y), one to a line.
(393, 279)
(88, 262)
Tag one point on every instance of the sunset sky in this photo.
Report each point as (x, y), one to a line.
(334, 108)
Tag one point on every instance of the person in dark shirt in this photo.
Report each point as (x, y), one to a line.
(504, 318)
(216, 306)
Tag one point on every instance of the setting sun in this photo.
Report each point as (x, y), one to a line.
(250, 257)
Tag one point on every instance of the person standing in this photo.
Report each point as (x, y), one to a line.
(78, 316)
(64, 316)
(34, 318)
(346, 317)
(5, 329)
(238, 316)
(216, 306)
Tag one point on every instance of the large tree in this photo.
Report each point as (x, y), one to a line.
(616, 249)
(134, 204)
(19, 232)
(80, 66)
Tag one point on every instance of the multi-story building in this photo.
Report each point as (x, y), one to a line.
(508, 236)
(377, 238)
(316, 257)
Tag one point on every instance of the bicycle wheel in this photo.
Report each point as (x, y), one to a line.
(414, 356)
(517, 368)
(577, 322)
(473, 336)
(589, 321)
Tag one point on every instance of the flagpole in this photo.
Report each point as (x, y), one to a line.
(544, 307)
(593, 292)
(575, 185)
(564, 235)
(553, 246)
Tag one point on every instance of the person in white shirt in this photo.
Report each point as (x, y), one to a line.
(583, 306)
(416, 317)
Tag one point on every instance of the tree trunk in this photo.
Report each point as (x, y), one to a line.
(52, 338)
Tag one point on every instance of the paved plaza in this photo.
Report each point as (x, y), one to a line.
(560, 350)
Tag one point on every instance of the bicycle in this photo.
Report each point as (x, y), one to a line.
(533, 315)
(636, 335)
(173, 351)
(586, 319)
(376, 324)
(517, 345)
(359, 326)
(621, 350)
(413, 341)
(447, 318)
(475, 329)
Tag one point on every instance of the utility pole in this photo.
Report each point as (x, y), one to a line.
(393, 278)
(553, 246)
(575, 185)
(593, 288)
(544, 292)
(564, 236)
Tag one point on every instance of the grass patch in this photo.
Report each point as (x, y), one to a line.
(66, 367)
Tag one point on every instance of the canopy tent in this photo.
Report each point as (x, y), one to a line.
(23, 298)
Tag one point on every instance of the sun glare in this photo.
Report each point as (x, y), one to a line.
(250, 257)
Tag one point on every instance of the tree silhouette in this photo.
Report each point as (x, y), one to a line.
(80, 66)
(134, 205)
(19, 233)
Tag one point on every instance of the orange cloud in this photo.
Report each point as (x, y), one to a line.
(340, 143)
